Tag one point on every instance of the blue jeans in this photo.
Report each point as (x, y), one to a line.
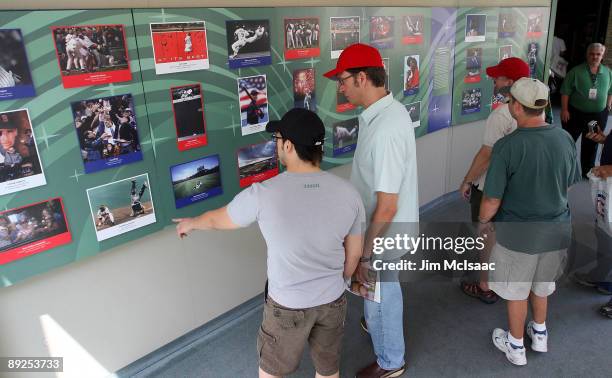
(385, 323)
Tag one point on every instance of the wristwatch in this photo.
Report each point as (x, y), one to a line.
(365, 259)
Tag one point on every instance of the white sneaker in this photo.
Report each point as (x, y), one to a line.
(539, 341)
(516, 356)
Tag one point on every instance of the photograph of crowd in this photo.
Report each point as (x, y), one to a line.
(107, 132)
(304, 89)
(257, 163)
(32, 229)
(188, 109)
(91, 54)
(470, 101)
(382, 31)
(345, 135)
(412, 29)
(344, 32)
(248, 43)
(121, 206)
(20, 166)
(196, 180)
(179, 46)
(301, 37)
(253, 98)
(15, 75)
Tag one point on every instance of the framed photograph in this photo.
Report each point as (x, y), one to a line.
(342, 103)
(414, 110)
(505, 52)
(91, 54)
(196, 180)
(498, 98)
(248, 43)
(507, 25)
(107, 132)
(470, 101)
(301, 37)
(475, 27)
(15, 74)
(304, 94)
(532, 58)
(257, 163)
(534, 25)
(473, 65)
(345, 136)
(179, 46)
(121, 206)
(412, 29)
(20, 166)
(344, 31)
(382, 31)
(32, 229)
(253, 98)
(188, 109)
(411, 75)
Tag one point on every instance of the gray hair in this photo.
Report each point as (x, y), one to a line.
(594, 46)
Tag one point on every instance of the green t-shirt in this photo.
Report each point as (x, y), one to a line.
(530, 171)
(578, 82)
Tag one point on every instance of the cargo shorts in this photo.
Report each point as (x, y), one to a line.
(284, 332)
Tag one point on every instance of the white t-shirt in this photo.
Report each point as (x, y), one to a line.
(499, 124)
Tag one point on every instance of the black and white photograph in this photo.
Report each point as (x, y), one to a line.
(20, 166)
(471, 101)
(412, 29)
(121, 206)
(534, 25)
(344, 32)
(248, 43)
(302, 36)
(382, 31)
(15, 75)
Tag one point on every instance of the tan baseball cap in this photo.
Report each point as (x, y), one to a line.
(531, 93)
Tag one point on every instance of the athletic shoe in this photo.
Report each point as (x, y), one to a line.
(514, 354)
(539, 339)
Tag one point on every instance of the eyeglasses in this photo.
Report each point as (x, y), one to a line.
(275, 137)
(340, 80)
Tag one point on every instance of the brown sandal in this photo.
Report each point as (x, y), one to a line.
(473, 290)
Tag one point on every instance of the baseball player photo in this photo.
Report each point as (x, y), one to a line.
(345, 135)
(248, 43)
(304, 89)
(188, 109)
(179, 46)
(253, 102)
(121, 206)
(302, 36)
(196, 180)
(257, 163)
(91, 54)
(15, 75)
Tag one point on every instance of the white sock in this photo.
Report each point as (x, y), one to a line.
(539, 327)
(514, 341)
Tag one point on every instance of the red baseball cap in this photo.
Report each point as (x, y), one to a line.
(356, 56)
(513, 68)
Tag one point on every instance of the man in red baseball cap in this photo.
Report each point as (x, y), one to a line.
(385, 175)
(499, 124)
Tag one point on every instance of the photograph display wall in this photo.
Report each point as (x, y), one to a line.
(151, 114)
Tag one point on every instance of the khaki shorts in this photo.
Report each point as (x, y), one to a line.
(517, 274)
(284, 332)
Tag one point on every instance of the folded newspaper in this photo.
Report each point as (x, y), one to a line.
(370, 290)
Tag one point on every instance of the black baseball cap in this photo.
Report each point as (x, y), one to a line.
(300, 126)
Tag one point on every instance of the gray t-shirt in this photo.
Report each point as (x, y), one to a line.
(304, 218)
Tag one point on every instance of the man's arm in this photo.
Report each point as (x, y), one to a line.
(353, 247)
(488, 208)
(217, 219)
(565, 116)
(478, 167)
(609, 104)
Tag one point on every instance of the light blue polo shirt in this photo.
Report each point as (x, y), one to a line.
(385, 158)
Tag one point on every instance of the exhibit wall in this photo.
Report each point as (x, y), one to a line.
(73, 300)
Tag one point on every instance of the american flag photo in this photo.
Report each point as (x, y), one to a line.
(253, 94)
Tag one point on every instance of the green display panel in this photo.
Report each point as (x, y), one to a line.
(521, 28)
